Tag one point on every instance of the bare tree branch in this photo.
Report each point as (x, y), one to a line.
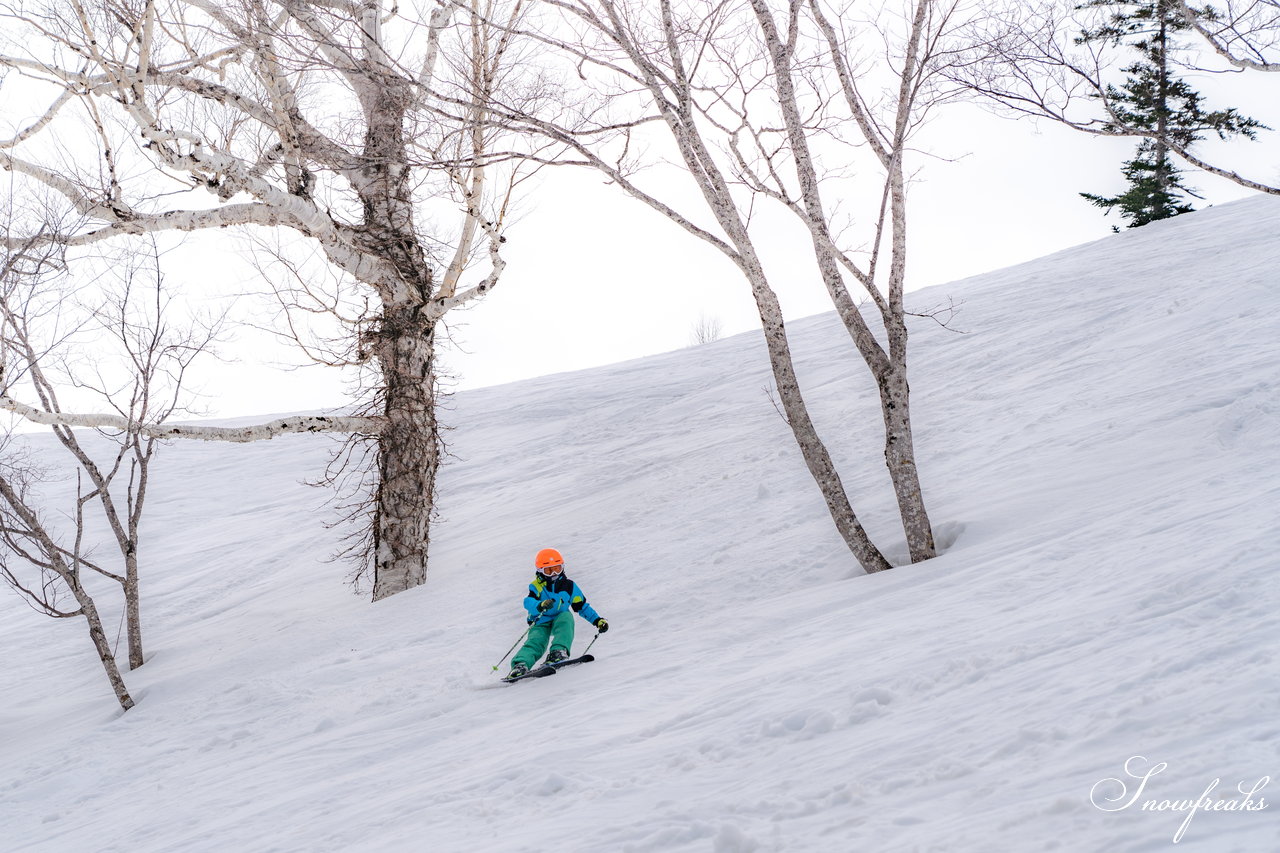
(256, 432)
(1244, 34)
(340, 123)
(1024, 60)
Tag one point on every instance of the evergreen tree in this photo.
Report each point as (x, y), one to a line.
(1153, 100)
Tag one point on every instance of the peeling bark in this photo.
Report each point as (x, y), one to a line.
(408, 455)
(349, 186)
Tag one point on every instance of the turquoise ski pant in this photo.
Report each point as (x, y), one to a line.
(559, 633)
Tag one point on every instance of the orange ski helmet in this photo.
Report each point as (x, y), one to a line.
(549, 562)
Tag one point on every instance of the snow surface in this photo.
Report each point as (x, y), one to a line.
(1101, 454)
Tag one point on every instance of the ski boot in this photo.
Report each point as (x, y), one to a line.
(517, 670)
(557, 655)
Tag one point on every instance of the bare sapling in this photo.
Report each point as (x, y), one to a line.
(51, 568)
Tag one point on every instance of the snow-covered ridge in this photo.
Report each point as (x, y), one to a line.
(1098, 438)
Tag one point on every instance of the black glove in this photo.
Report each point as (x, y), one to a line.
(602, 625)
(546, 604)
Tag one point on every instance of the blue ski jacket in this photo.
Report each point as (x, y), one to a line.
(565, 594)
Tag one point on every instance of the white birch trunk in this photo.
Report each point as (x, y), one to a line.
(262, 157)
(895, 395)
(816, 457)
(888, 368)
(900, 459)
(408, 460)
(674, 98)
(103, 647)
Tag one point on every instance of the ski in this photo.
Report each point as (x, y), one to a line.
(571, 661)
(537, 672)
(549, 668)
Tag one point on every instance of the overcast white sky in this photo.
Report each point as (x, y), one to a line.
(594, 277)
(621, 282)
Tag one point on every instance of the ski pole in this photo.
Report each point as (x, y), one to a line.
(590, 644)
(518, 642)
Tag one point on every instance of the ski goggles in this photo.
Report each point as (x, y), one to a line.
(551, 571)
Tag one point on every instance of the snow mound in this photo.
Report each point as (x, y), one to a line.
(1097, 437)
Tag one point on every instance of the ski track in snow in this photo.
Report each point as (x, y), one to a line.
(1102, 460)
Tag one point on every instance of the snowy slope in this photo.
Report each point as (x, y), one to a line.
(1102, 459)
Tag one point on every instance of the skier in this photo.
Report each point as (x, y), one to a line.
(551, 603)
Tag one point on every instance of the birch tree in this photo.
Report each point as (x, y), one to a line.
(770, 103)
(50, 569)
(132, 320)
(28, 539)
(307, 117)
